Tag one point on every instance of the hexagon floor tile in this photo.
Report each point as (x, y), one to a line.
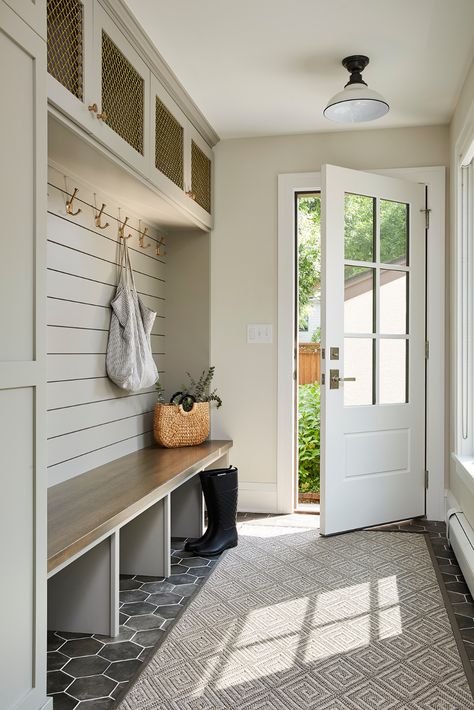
(90, 671)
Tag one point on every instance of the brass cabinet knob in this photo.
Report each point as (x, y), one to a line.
(94, 109)
(191, 194)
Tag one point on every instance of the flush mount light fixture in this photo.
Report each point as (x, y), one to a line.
(356, 103)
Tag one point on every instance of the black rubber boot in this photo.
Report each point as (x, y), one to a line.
(222, 490)
(204, 477)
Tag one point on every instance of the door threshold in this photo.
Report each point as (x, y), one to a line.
(311, 508)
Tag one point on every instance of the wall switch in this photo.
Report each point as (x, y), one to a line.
(259, 333)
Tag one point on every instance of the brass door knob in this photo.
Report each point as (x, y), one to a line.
(191, 194)
(102, 116)
(93, 108)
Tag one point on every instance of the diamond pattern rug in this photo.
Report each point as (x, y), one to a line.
(290, 620)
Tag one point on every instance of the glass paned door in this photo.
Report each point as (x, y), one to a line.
(376, 306)
(373, 326)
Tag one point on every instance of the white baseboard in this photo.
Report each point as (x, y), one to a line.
(450, 502)
(257, 497)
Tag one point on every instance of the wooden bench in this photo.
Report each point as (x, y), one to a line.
(119, 518)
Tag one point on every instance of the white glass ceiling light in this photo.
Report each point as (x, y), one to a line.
(356, 103)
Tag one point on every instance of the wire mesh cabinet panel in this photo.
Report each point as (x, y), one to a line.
(123, 94)
(200, 173)
(69, 43)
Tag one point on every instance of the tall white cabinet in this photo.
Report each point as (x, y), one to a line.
(22, 355)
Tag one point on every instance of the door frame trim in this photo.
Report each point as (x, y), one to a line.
(436, 428)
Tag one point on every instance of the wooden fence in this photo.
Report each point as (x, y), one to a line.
(309, 363)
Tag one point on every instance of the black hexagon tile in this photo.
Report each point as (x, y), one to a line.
(91, 671)
(149, 607)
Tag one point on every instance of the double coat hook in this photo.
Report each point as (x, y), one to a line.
(98, 217)
(141, 238)
(69, 203)
(160, 244)
(121, 230)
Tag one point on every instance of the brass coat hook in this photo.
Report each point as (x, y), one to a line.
(141, 238)
(160, 244)
(98, 217)
(121, 230)
(69, 209)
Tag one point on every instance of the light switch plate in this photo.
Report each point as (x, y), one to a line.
(259, 333)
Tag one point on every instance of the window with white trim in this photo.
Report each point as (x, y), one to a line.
(465, 301)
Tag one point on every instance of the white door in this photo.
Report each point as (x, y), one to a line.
(373, 326)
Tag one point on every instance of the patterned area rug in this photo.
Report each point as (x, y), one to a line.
(290, 620)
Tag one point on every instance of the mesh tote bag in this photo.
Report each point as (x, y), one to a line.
(129, 360)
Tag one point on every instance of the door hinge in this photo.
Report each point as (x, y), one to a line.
(323, 353)
(323, 378)
(427, 217)
(427, 349)
(294, 374)
(427, 478)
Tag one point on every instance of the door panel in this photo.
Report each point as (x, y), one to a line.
(22, 361)
(373, 289)
(123, 85)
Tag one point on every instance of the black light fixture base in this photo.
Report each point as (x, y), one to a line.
(355, 64)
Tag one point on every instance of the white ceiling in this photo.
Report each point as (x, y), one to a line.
(266, 67)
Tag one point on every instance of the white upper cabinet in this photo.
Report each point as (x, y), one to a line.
(181, 159)
(199, 173)
(101, 82)
(32, 12)
(70, 58)
(121, 94)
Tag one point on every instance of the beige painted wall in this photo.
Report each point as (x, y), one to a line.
(244, 266)
(187, 307)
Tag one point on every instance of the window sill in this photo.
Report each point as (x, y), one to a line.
(465, 469)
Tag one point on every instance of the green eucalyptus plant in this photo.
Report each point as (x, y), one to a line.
(200, 389)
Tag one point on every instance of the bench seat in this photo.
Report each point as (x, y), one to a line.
(85, 508)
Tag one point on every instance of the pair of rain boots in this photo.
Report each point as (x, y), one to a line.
(220, 489)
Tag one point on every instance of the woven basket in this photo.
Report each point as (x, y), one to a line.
(174, 427)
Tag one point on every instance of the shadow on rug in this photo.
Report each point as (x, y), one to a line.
(290, 620)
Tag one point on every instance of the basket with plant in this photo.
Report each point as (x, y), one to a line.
(185, 420)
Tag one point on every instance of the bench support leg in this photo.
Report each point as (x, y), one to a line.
(84, 596)
(187, 510)
(145, 542)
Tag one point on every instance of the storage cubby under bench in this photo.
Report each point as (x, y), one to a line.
(119, 519)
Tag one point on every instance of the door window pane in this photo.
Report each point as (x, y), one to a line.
(359, 227)
(358, 363)
(393, 232)
(358, 299)
(393, 301)
(393, 371)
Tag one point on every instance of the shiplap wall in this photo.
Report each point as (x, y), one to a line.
(90, 420)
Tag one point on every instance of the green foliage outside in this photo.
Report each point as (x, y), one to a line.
(309, 270)
(308, 438)
(309, 254)
(359, 231)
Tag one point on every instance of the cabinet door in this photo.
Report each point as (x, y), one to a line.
(33, 12)
(167, 124)
(70, 58)
(22, 364)
(122, 94)
(199, 174)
